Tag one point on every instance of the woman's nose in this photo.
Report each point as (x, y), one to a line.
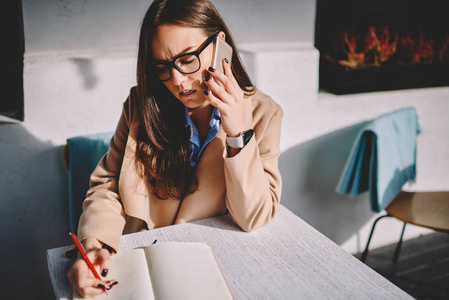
(177, 77)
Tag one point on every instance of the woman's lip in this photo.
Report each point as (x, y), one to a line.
(187, 94)
(186, 91)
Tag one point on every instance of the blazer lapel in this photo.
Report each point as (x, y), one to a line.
(132, 187)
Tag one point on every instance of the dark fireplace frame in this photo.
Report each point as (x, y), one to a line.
(402, 15)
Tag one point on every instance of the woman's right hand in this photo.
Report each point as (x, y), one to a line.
(80, 276)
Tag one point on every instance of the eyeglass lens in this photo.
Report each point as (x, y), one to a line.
(185, 64)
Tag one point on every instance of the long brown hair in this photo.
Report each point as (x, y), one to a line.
(163, 145)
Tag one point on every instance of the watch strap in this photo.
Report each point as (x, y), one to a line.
(240, 141)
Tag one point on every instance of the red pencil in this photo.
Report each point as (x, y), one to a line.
(86, 259)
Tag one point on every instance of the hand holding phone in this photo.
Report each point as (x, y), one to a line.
(227, 95)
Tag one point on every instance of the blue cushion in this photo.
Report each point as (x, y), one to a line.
(383, 158)
(84, 154)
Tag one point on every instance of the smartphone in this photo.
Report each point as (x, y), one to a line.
(222, 50)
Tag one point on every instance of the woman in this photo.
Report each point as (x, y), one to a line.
(169, 160)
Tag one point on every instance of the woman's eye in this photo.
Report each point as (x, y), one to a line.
(160, 68)
(187, 62)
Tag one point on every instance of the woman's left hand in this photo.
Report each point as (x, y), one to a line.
(228, 97)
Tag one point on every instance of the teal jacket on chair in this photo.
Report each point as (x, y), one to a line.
(383, 158)
(83, 156)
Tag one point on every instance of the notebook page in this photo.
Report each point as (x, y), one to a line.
(185, 271)
(130, 269)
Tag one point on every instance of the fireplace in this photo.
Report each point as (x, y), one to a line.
(378, 45)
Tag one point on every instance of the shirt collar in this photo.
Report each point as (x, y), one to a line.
(215, 119)
(195, 142)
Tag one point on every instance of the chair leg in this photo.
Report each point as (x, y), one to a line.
(365, 253)
(399, 245)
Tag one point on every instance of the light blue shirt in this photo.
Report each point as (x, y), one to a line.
(195, 141)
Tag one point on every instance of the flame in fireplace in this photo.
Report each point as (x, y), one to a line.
(380, 45)
(416, 50)
(443, 54)
(350, 47)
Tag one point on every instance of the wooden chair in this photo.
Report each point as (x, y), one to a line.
(382, 160)
(425, 209)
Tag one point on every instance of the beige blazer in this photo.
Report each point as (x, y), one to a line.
(248, 185)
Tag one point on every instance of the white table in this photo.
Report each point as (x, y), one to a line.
(287, 259)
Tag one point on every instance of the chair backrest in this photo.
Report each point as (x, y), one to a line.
(81, 155)
(383, 158)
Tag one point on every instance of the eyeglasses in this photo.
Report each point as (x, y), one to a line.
(188, 63)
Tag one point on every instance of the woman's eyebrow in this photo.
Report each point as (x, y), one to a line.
(185, 51)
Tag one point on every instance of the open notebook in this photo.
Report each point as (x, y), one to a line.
(167, 271)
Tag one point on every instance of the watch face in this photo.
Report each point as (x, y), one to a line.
(247, 136)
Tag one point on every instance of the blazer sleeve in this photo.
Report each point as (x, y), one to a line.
(103, 215)
(253, 180)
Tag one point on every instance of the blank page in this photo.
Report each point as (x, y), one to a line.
(185, 271)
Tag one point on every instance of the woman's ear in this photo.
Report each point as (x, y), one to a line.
(222, 35)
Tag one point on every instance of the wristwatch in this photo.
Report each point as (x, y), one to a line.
(240, 141)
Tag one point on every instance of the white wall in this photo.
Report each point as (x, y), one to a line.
(55, 26)
(79, 66)
(318, 132)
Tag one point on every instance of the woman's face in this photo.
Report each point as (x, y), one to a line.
(169, 42)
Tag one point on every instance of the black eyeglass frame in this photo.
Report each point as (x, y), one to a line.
(170, 64)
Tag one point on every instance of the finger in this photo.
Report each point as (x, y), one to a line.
(88, 286)
(91, 286)
(83, 280)
(213, 100)
(218, 91)
(235, 90)
(229, 83)
(71, 276)
(227, 68)
(90, 292)
(103, 258)
(110, 284)
(220, 78)
(79, 272)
